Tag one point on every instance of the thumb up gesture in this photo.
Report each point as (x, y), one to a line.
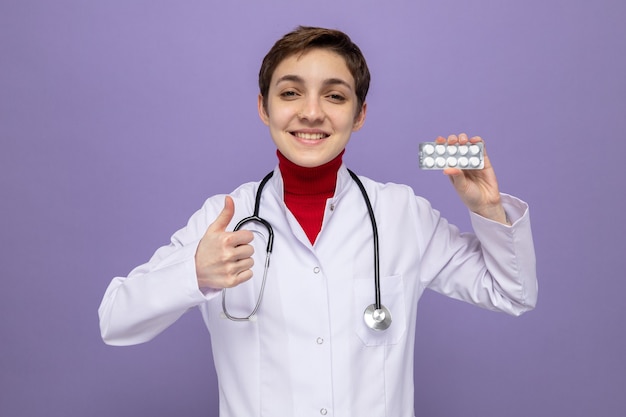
(224, 259)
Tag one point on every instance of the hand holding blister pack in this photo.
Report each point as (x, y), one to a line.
(434, 155)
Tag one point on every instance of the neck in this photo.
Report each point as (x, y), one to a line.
(306, 191)
(302, 180)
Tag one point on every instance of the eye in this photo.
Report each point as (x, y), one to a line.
(338, 98)
(289, 94)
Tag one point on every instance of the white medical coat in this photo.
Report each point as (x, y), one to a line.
(309, 352)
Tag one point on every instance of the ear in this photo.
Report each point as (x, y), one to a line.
(359, 120)
(265, 118)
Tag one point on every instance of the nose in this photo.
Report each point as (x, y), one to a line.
(311, 110)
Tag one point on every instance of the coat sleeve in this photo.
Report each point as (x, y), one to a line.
(154, 295)
(494, 268)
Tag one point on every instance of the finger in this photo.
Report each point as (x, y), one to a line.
(453, 172)
(242, 277)
(452, 139)
(456, 176)
(463, 139)
(242, 251)
(223, 219)
(238, 272)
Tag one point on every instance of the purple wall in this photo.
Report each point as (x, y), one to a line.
(118, 118)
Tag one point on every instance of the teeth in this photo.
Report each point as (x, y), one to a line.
(310, 136)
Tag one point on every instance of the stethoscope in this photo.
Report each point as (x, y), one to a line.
(376, 316)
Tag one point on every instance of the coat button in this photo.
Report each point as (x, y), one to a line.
(323, 411)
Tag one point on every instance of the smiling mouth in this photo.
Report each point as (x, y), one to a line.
(310, 136)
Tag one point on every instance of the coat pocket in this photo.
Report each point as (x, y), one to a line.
(392, 297)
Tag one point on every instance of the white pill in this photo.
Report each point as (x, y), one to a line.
(428, 149)
(440, 149)
(463, 162)
(463, 149)
(452, 150)
(441, 162)
(474, 149)
(429, 162)
(474, 161)
(452, 161)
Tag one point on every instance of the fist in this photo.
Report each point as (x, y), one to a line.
(224, 259)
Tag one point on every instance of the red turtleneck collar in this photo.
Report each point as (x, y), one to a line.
(306, 191)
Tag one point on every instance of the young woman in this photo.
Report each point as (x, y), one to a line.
(327, 327)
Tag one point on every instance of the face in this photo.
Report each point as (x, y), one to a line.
(312, 107)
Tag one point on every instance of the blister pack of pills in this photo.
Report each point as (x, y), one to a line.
(440, 156)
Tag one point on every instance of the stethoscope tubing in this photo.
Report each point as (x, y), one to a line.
(256, 218)
(376, 316)
(370, 211)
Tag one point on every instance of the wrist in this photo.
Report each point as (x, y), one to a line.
(495, 213)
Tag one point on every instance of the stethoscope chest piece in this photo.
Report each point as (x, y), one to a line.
(377, 318)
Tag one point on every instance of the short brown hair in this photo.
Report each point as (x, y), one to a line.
(304, 38)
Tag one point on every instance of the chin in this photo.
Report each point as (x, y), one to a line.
(307, 161)
(307, 164)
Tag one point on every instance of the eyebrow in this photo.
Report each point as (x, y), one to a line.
(300, 80)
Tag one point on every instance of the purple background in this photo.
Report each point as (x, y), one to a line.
(118, 118)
